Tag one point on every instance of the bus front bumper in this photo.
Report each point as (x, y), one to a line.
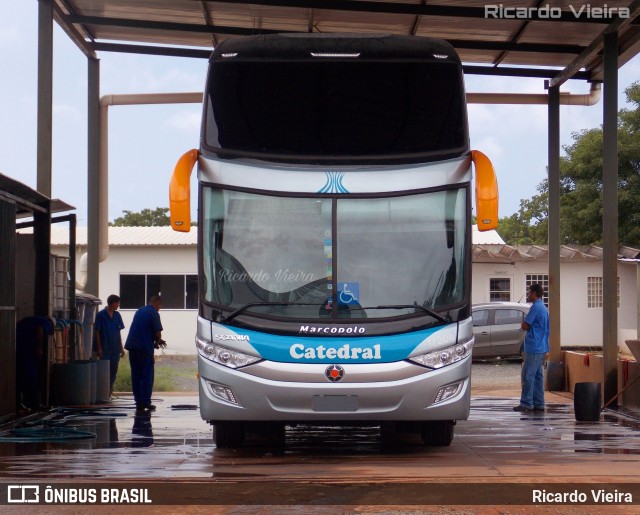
(421, 395)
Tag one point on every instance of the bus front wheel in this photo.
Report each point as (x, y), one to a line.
(438, 433)
(228, 434)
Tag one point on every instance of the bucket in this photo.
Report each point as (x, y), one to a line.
(586, 401)
(71, 384)
(103, 381)
(92, 378)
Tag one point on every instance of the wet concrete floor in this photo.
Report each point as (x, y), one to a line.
(173, 442)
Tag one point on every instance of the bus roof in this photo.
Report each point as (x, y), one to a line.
(367, 46)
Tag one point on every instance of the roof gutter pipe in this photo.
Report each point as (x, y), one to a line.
(112, 100)
(103, 169)
(589, 99)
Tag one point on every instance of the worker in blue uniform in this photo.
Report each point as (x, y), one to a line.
(144, 337)
(108, 338)
(536, 348)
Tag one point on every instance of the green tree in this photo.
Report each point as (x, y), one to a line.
(529, 225)
(146, 218)
(581, 180)
(581, 189)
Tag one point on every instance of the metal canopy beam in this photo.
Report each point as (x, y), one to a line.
(403, 8)
(45, 96)
(596, 45)
(507, 46)
(153, 50)
(72, 32)
(541, 73)
(554, 224)
(610, 218)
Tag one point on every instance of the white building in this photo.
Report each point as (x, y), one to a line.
(503, 272)
(145, 259)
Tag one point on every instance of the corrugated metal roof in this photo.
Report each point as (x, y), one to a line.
(487, 237)
(551, 38)
(160, 236)
(130, 236)
(483, 253)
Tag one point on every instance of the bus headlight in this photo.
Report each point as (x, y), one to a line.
(443, 357)
(223, 356)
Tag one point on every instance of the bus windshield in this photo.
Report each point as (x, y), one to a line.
(319, 110)
(320, 258)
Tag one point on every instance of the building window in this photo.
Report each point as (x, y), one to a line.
(500, 289)
(178, 291)
(542, 280)
(594, 292)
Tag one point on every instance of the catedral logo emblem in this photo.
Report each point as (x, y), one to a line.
(334, 373)
(328, 329)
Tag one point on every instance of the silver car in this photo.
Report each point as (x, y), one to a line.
(497, 331)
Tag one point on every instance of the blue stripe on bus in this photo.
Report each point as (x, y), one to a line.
(348, 349)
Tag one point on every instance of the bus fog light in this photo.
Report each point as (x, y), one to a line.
(222, 392)
(447, 391)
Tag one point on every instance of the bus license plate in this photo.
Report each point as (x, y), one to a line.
(335, 403)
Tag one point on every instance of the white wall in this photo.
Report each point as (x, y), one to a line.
(179, 325)
(580, 326)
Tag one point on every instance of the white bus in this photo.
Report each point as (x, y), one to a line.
(334, 222)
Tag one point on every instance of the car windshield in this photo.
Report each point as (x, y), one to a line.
(321, 258)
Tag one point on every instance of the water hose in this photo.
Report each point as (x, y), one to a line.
(44, 433)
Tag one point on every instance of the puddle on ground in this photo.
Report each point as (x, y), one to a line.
(176, 443)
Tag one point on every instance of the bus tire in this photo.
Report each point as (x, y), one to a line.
(228, 434)
(438, 433)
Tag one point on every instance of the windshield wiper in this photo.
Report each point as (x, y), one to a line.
(243, 308)
(430, 311)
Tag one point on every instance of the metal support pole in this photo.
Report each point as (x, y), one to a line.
(638, 301)
(8, 306)
(554, 224)
(93, 175)
(610, 218)
(45, 96)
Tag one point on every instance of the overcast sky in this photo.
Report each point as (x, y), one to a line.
(146, 141)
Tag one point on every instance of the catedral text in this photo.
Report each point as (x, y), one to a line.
(299, 351)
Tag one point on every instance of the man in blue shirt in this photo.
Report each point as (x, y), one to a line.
(536, 347)
(108, 338)
(144, 336)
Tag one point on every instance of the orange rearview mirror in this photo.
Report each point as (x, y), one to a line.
(180, 192)
(486, 192)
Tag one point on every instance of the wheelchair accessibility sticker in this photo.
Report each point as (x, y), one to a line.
(348, 293)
